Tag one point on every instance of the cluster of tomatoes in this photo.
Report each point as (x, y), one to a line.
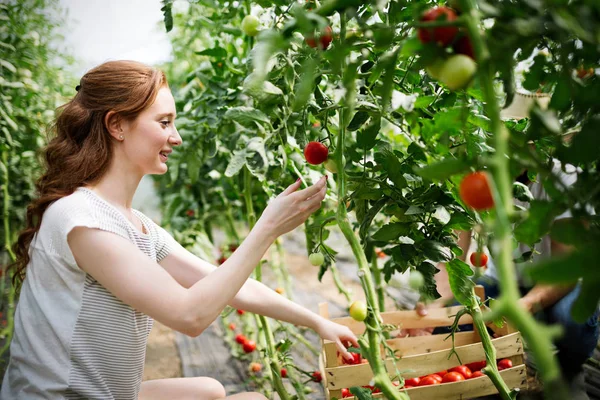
(248, 345)
(456, 374)
(457, 69)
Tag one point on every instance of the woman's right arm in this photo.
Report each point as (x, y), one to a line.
(140, 282)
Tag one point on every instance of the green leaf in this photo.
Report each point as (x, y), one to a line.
(567, 269)
(306, 84)
(236, 163)
(217, 52)
(370, 215)
(394, 170)
(585, 144)
(390, 232)
(570, 231)
(193, 167)
(8, 66)
(367, 138)
(435, 251)
(458, 276)
(521, 192)
(541, 215)
(443, 169)
(358, 120)
(168, 15)
(361, 393)
(429, 289)
(424, 101)
(243, 114)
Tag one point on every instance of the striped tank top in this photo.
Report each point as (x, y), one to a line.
(73, 339)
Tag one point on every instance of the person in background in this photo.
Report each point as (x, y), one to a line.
(97, 272)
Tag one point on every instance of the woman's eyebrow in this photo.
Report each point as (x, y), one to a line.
(167, 115)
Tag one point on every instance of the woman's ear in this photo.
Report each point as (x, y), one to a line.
(112, 121)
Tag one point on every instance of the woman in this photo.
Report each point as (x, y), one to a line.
(99, 272)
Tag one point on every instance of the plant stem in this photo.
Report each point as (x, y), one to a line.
(491, 369)
(273, 363)
(539, 341)
(381, 378)
(378, 283)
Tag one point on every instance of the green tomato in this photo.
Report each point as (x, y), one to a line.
(250, 25)
(316, 259)
(416, 280)
(331, 166)
(433, 69)
(358, 311)
(457, 71)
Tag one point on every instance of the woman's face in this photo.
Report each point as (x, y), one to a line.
(149, 139)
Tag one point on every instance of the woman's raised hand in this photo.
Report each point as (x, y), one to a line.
(292, 207)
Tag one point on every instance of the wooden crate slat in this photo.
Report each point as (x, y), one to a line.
(410, 319)
(423, 364)
(469, 389)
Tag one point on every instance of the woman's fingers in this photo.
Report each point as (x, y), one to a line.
(292, 188)
(311, 190)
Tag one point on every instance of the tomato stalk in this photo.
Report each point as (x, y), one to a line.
(7, 332)
(373, 354)
(539, 341)
(491, 368)
(270, 357)
(378, 283)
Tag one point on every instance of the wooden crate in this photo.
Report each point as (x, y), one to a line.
(423, 355)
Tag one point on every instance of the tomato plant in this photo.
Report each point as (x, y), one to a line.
(443, 35)
(250, 25)
(407, 137)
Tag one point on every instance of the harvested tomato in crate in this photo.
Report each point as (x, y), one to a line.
(425, 359)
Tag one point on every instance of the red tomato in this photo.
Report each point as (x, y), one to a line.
(232, 326)
(453, 376)
(408, 386)
(429, 380)
(324, 39)
(412, 382)
(475, 191)
(249, 346)
(441, 373)
(316, 376)
(478, 260)
(476, 366)
(463, 370)
(241, 339)
(463, 46)
(190, 213)
(584, 73)
(477, 374)
(346, 393)
(356, 359)
(240, 312)
(221, 260)
(504, 364)
(283, 373)
(442, 35)
(316, 153)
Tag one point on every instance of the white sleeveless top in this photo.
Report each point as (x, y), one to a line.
(73, 339)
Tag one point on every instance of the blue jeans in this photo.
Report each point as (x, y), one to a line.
(578, 341)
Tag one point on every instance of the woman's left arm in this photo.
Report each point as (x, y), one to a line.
(255, 297)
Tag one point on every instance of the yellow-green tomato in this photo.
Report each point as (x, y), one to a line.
(250, 25)
(416, 280)
(316, 259)
(457, 71)
(433, 69)
(358, 311)
(331, 166)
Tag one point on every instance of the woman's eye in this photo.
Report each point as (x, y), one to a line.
(165, 123)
